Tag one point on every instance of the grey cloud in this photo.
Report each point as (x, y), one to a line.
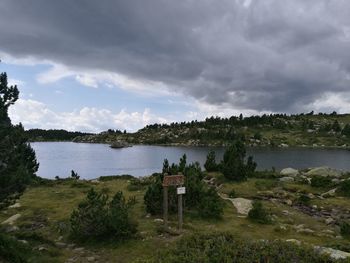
(270, 56)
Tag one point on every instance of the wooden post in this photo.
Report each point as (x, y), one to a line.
(165, 206)
(180, 211)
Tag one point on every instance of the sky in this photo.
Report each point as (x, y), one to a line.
(88, 65)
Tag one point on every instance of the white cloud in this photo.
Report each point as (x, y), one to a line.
(329, 102)
(17, 82)
(96, 78)
(35, 114)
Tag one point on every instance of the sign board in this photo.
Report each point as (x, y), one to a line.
(173, 180)
(181, 190)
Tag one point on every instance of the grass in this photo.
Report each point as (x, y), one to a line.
(46, 211)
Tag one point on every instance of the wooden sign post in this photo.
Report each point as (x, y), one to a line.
(173, 180)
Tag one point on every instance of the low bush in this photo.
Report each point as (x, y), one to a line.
(115, 177)
(96, 218)
(137, 184)
(232, 193)
(13, 251)
(344, 188)
(267, 184)
(259, 214)
(345, 229)
(266, 174)
(224, 247)
(321, 181)
(211, 205)
(304, 199)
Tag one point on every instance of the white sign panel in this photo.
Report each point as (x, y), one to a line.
(181, 190)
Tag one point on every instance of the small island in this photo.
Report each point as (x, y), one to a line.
(119, 145)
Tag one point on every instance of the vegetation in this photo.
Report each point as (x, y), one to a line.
(227, 248)
(18, 164)
(211, 205)
(198, 197)
(344, 188)
(259, 214)
(210, 164)
(274, 130)
(233, 164)
(96, 218)
(53, 135)
(321, 181)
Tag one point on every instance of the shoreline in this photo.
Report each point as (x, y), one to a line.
(211, 145)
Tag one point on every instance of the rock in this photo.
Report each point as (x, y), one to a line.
(295, 241)
(333, 253)
(284, 145)
(286, 212)
(242, 205)
(11, 229)
(90, 259)
(336, 180)
(158, 220)
(286, 179)
(95, 181)
(16, 205)
(324, 171)
(329, 220)
(79, 249)
(289, 172)
(311, 196)
(305, 231)
(41, 248)
(289, 202)
(330, 193)
(11, 220)
(60, 244)
(23, 241)
(148, 215)
(328, 231)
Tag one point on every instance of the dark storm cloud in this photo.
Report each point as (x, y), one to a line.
(263, 55)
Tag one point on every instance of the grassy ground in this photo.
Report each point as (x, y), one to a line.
(45, 212)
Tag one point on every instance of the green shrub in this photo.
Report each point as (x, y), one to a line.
(210, 164)
(267, 174)
(232, 193)
(304, 199)
(13, 251)
(115, 177)
(96, 218)
(321, 181)
(233, 165)
(345, 229)
(344, 188)
(224, 247)
(259, 214)
(195, 188)
(265, 184)
(211, 205)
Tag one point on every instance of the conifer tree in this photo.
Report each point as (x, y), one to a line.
(18, 163)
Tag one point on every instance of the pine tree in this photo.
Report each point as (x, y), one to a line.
(18, 163)
(210, 164)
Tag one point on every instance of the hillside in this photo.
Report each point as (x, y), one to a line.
(38, 135)
(279, 130)
(40, 220)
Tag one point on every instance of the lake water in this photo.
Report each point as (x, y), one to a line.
(94, 160)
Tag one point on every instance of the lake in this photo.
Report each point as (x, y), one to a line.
(94, 160)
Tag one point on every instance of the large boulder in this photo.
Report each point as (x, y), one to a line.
(333, 253)
(287, 179)
(11, 220)
(289, 172)
(324, 171)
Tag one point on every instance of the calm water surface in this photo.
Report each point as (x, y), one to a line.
(94, 160)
